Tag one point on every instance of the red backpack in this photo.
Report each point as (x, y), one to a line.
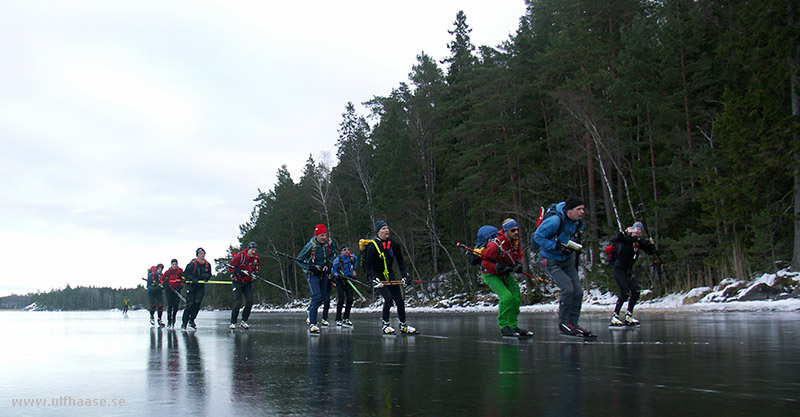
(611, 253)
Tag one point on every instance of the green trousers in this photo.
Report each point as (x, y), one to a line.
(508, 290)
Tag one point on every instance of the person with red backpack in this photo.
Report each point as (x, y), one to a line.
(174, 278)
(196, 271)
(501, 257)
(627, 245)
(557, 238)
(316, 260)
(243, 268)
(154, 292)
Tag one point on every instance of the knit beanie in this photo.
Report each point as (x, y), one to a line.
(320, 229)
(379, 225)
(572, 202)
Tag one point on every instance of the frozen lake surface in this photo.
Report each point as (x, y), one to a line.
(68, 363)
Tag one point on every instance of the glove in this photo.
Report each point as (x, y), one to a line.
(326, 268)
(405, 279)
(518, 267)
(315, 269)
(238, 272)
(652, 242)
(502, 268)
(376, 283)
(563, 248)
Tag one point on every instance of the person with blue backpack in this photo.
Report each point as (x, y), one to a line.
(501, 257)
(316, 260)
(344, 267)
(557, 238)
(627, 245)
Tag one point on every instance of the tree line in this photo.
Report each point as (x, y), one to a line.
(682, 113)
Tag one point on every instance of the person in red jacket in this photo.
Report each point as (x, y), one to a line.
(243, 268)
(502, 257)
(174, 278)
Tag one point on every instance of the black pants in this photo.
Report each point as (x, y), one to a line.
(344, 291)
(242, 290)
(392, 294)
(326, 302)
(156, 302)
(628, 286)
(172, 305)
(194, 299)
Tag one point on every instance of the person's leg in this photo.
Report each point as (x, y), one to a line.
(315, 286)
(622, 283)
(340, 296)
(577, 291)
(397, 295)
(200, 292)
(248, 300)
(160, 304)
(635, 293)
(564, 283)
(349, 297)
(326, 299)
(387, 302)
(237, 301)
(153, 303)
(498, 286)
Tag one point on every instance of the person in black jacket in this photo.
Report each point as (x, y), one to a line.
(628, 244)
(196, 272)
(379, 255)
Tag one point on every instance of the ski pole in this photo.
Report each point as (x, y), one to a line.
(209, 282)
(350, 280)
(661, 263)
(255, 276)
(482, 256)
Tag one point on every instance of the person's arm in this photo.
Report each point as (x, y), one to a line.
(370, 255)
(302, 257)
(398, 255)
(489, 258)
(546, 233)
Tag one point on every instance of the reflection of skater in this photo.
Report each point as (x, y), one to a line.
(154, 292)
(196, 271)
(378, 257)
(243, 267)
(501, 257)
(559, 260)
(316, 259)
(628, 244)
(344, 264)
(125, 306)
(174, 278)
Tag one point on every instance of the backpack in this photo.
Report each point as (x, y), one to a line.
(543, 214)
(611, 252)
(362, 248)
(484, 235)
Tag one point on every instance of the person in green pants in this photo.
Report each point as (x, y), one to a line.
(502, 257)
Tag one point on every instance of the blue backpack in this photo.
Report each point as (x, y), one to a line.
(484, 235)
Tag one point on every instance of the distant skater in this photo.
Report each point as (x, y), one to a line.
(174, 278)
(243, 268)
(344, 266)
(125, 303)
(379, 255)
(316, 260)
(154, 292)
(628, 243)
(197, 271)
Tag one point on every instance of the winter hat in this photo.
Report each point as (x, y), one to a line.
(345, 247)
(572, 202)
(639, 225)
(509, 224)
(197, 252)
(379, 225)
(174, 261)
(252, 245)
(160, 266)
(320, 229)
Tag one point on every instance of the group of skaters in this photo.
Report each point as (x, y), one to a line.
(171, 283)
(557, 238)
(324, 267)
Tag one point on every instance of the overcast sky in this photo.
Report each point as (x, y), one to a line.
(132, 132)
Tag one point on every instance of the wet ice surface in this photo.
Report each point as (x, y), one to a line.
(718, 363)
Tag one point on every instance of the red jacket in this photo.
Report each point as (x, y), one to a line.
(173, 276)
(507, 252)
(245, 263)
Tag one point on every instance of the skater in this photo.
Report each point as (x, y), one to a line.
(316, 260)
(628, 244)
(378, 257)
(243, 268)
(197, 271)
(344, 264)
(502, 257)
(174, 278)
(125, 303)
(154, 292)
(557, 237)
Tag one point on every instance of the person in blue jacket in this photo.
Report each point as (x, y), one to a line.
(344, 267)
(557, 237)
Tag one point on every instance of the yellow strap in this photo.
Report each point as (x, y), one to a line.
(383, 257)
